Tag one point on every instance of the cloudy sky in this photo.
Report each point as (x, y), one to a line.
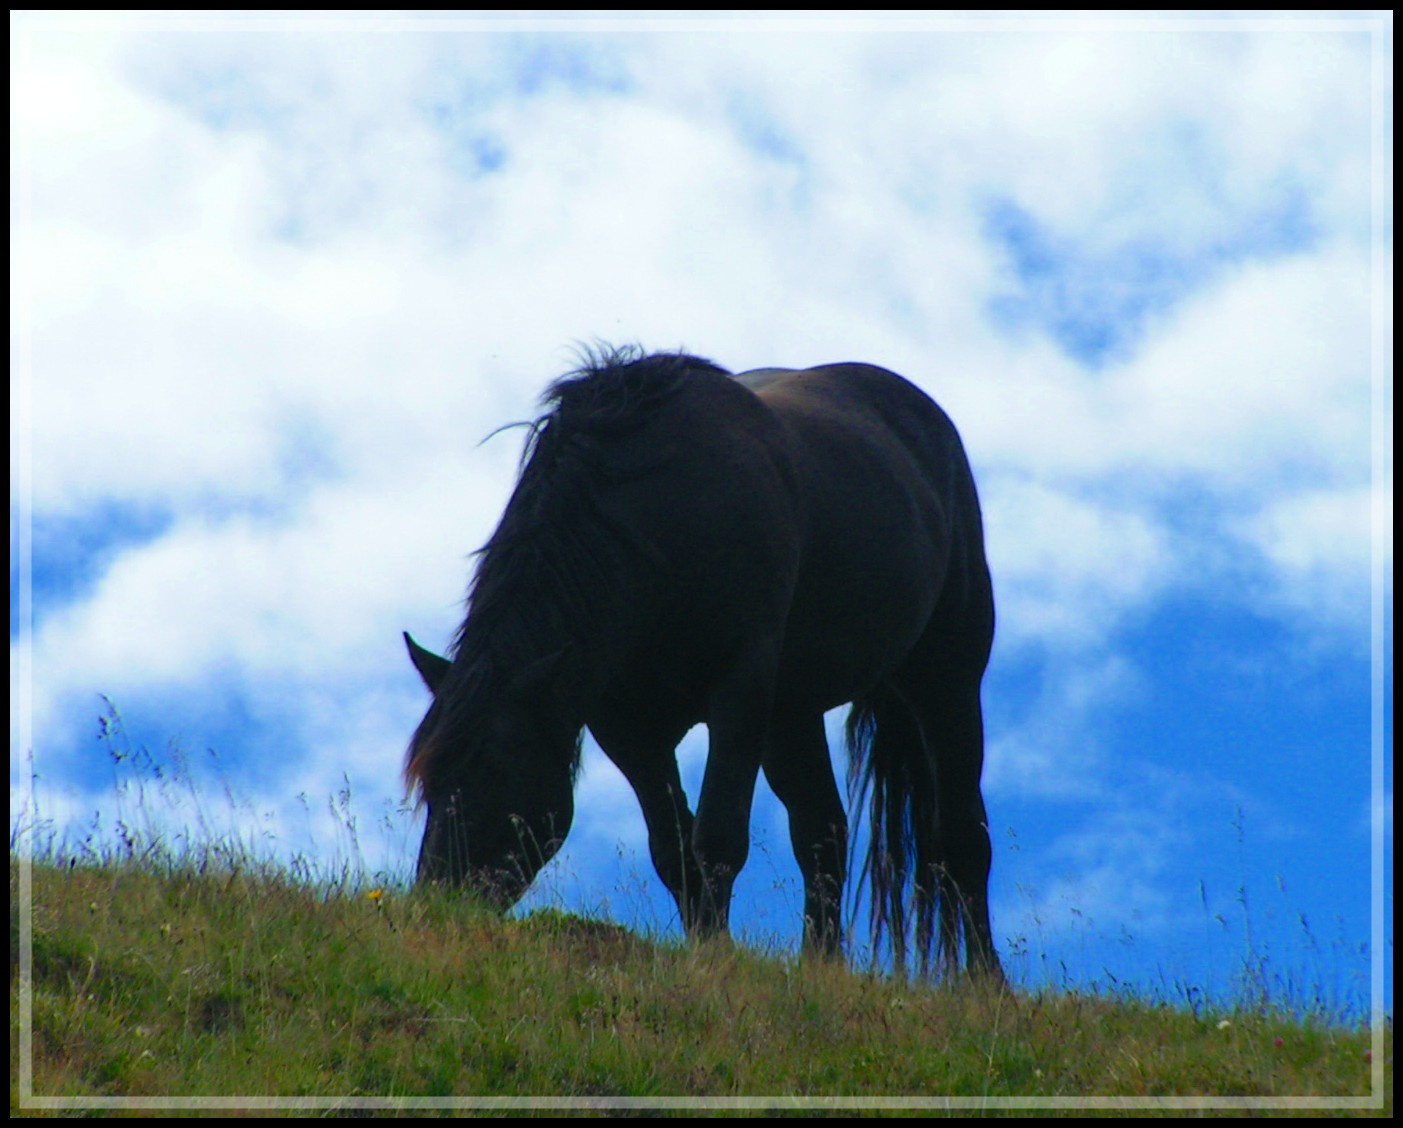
(276, 279)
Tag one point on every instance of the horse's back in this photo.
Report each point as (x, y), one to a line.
(893, 540)
(858, 419)
(829, 508)
(858, 398)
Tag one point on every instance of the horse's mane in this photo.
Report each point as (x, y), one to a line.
(531, 597)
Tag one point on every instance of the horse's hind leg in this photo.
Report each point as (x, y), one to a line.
(799, 771)
(946, 699)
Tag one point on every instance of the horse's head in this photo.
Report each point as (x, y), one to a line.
(499, 798)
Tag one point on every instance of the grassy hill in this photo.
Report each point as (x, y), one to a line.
(156, 983)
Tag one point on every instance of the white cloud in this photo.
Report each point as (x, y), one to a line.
(1318, 530)
(1318, 544)
(1261, 376)
(305, 599)
(1058, 750)
(1067, 569)
(1264, 377)
(269, 292)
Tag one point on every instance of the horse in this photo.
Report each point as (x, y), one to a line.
(684, 545)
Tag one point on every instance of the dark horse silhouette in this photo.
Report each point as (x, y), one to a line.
(748, 551)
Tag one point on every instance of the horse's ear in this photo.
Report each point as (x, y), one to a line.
(432, 668)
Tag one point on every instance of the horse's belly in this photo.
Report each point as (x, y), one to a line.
(852, 626)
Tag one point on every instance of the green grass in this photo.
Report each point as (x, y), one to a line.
(246, 984)
(167, 972)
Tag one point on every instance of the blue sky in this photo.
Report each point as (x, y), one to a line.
(276, 278)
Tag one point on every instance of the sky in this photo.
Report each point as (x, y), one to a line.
(275, 280)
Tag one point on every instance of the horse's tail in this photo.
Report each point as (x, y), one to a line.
(891, 770)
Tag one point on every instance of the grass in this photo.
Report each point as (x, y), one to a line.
(242, 983)
(173, 972)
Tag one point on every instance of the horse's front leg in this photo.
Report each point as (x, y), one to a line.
(737, 720)
(650, 766)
